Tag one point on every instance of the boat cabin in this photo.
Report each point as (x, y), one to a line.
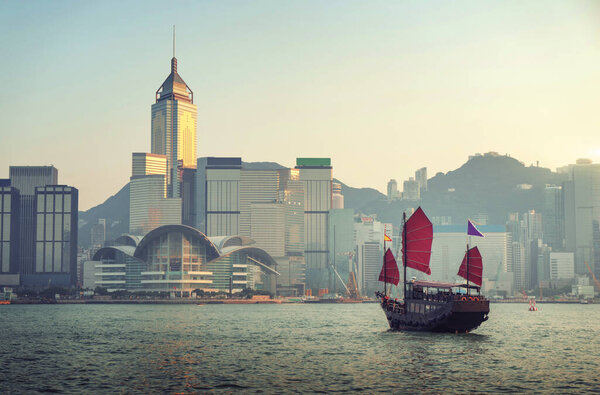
(439, 291)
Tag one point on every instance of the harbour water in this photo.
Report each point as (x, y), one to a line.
(292, 348)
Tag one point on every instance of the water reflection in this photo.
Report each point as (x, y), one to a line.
(185, 349)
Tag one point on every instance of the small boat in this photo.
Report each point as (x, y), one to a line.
(429, 305)
(583, 301)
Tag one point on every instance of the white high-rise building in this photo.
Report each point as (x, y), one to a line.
(411, 190)
(519, 266)
(222, 200)
(278, 228)
(421, 178)
(267, 227)
(316, 177)
(256, 186)
(562, 265)
(337, 199)
(149, 207)
(369, 234)
(582, 214)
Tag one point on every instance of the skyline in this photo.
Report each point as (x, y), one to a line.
(332, 73)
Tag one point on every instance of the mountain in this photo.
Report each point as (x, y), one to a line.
(489, 184)
(262, 166)
(359, 198)
(116, 212)
(492, 185)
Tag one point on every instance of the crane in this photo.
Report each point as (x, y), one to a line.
(592, 273)
(352, 286)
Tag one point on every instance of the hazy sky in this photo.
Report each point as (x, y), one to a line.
(381, 87)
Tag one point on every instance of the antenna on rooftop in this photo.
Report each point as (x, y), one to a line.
(173, 40)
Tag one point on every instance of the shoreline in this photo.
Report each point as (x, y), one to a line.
(150, 301)
(236, 301)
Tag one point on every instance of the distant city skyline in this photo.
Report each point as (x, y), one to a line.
(382, 88)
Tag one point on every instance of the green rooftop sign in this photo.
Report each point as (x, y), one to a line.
(313, 161)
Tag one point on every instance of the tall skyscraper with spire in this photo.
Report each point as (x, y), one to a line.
(174, 127)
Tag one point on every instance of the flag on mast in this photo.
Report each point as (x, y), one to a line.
(386, 237)
(472, 230)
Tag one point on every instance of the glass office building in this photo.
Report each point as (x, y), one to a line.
(56, 235)
(316, 176)
(25, 179)
(222, 196)
(9, 234)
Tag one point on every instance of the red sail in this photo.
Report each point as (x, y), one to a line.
(389, 269)
(417, 242)
(475, 266)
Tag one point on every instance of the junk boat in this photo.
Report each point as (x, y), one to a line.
(429, 305)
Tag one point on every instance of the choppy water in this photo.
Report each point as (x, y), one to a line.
(291, 348)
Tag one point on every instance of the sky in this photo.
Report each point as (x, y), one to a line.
(381, 87)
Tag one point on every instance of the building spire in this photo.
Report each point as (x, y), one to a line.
(174, 60)
(174, 88)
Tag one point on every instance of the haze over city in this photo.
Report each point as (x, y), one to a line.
(300, 196)
(382, 88)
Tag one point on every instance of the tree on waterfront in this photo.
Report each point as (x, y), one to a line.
(248, 293)
(51, 292)
(101, 291)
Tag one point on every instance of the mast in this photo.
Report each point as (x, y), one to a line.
(468, 293)
(334, 266)
(384, 269)
(404, 252)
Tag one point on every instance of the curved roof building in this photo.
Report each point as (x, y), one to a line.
(181, 258)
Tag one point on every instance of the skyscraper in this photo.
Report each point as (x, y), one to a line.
(38, 239)
(421, 178)
(9, 234)
(316, 175)
(582, 212)
(337, 199)
(369, 235)
(149, 207)
(392, 190)
(411, 190)
(553, 225)
(341, 244)
(221, 197)
(174, 127)
(25, 179)
(56, 236)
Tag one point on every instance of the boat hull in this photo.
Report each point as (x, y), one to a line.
(452, 316)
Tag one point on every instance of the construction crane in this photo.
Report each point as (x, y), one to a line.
(352, 286)
(592, 273)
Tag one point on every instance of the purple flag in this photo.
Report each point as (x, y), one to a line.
(472, 230)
